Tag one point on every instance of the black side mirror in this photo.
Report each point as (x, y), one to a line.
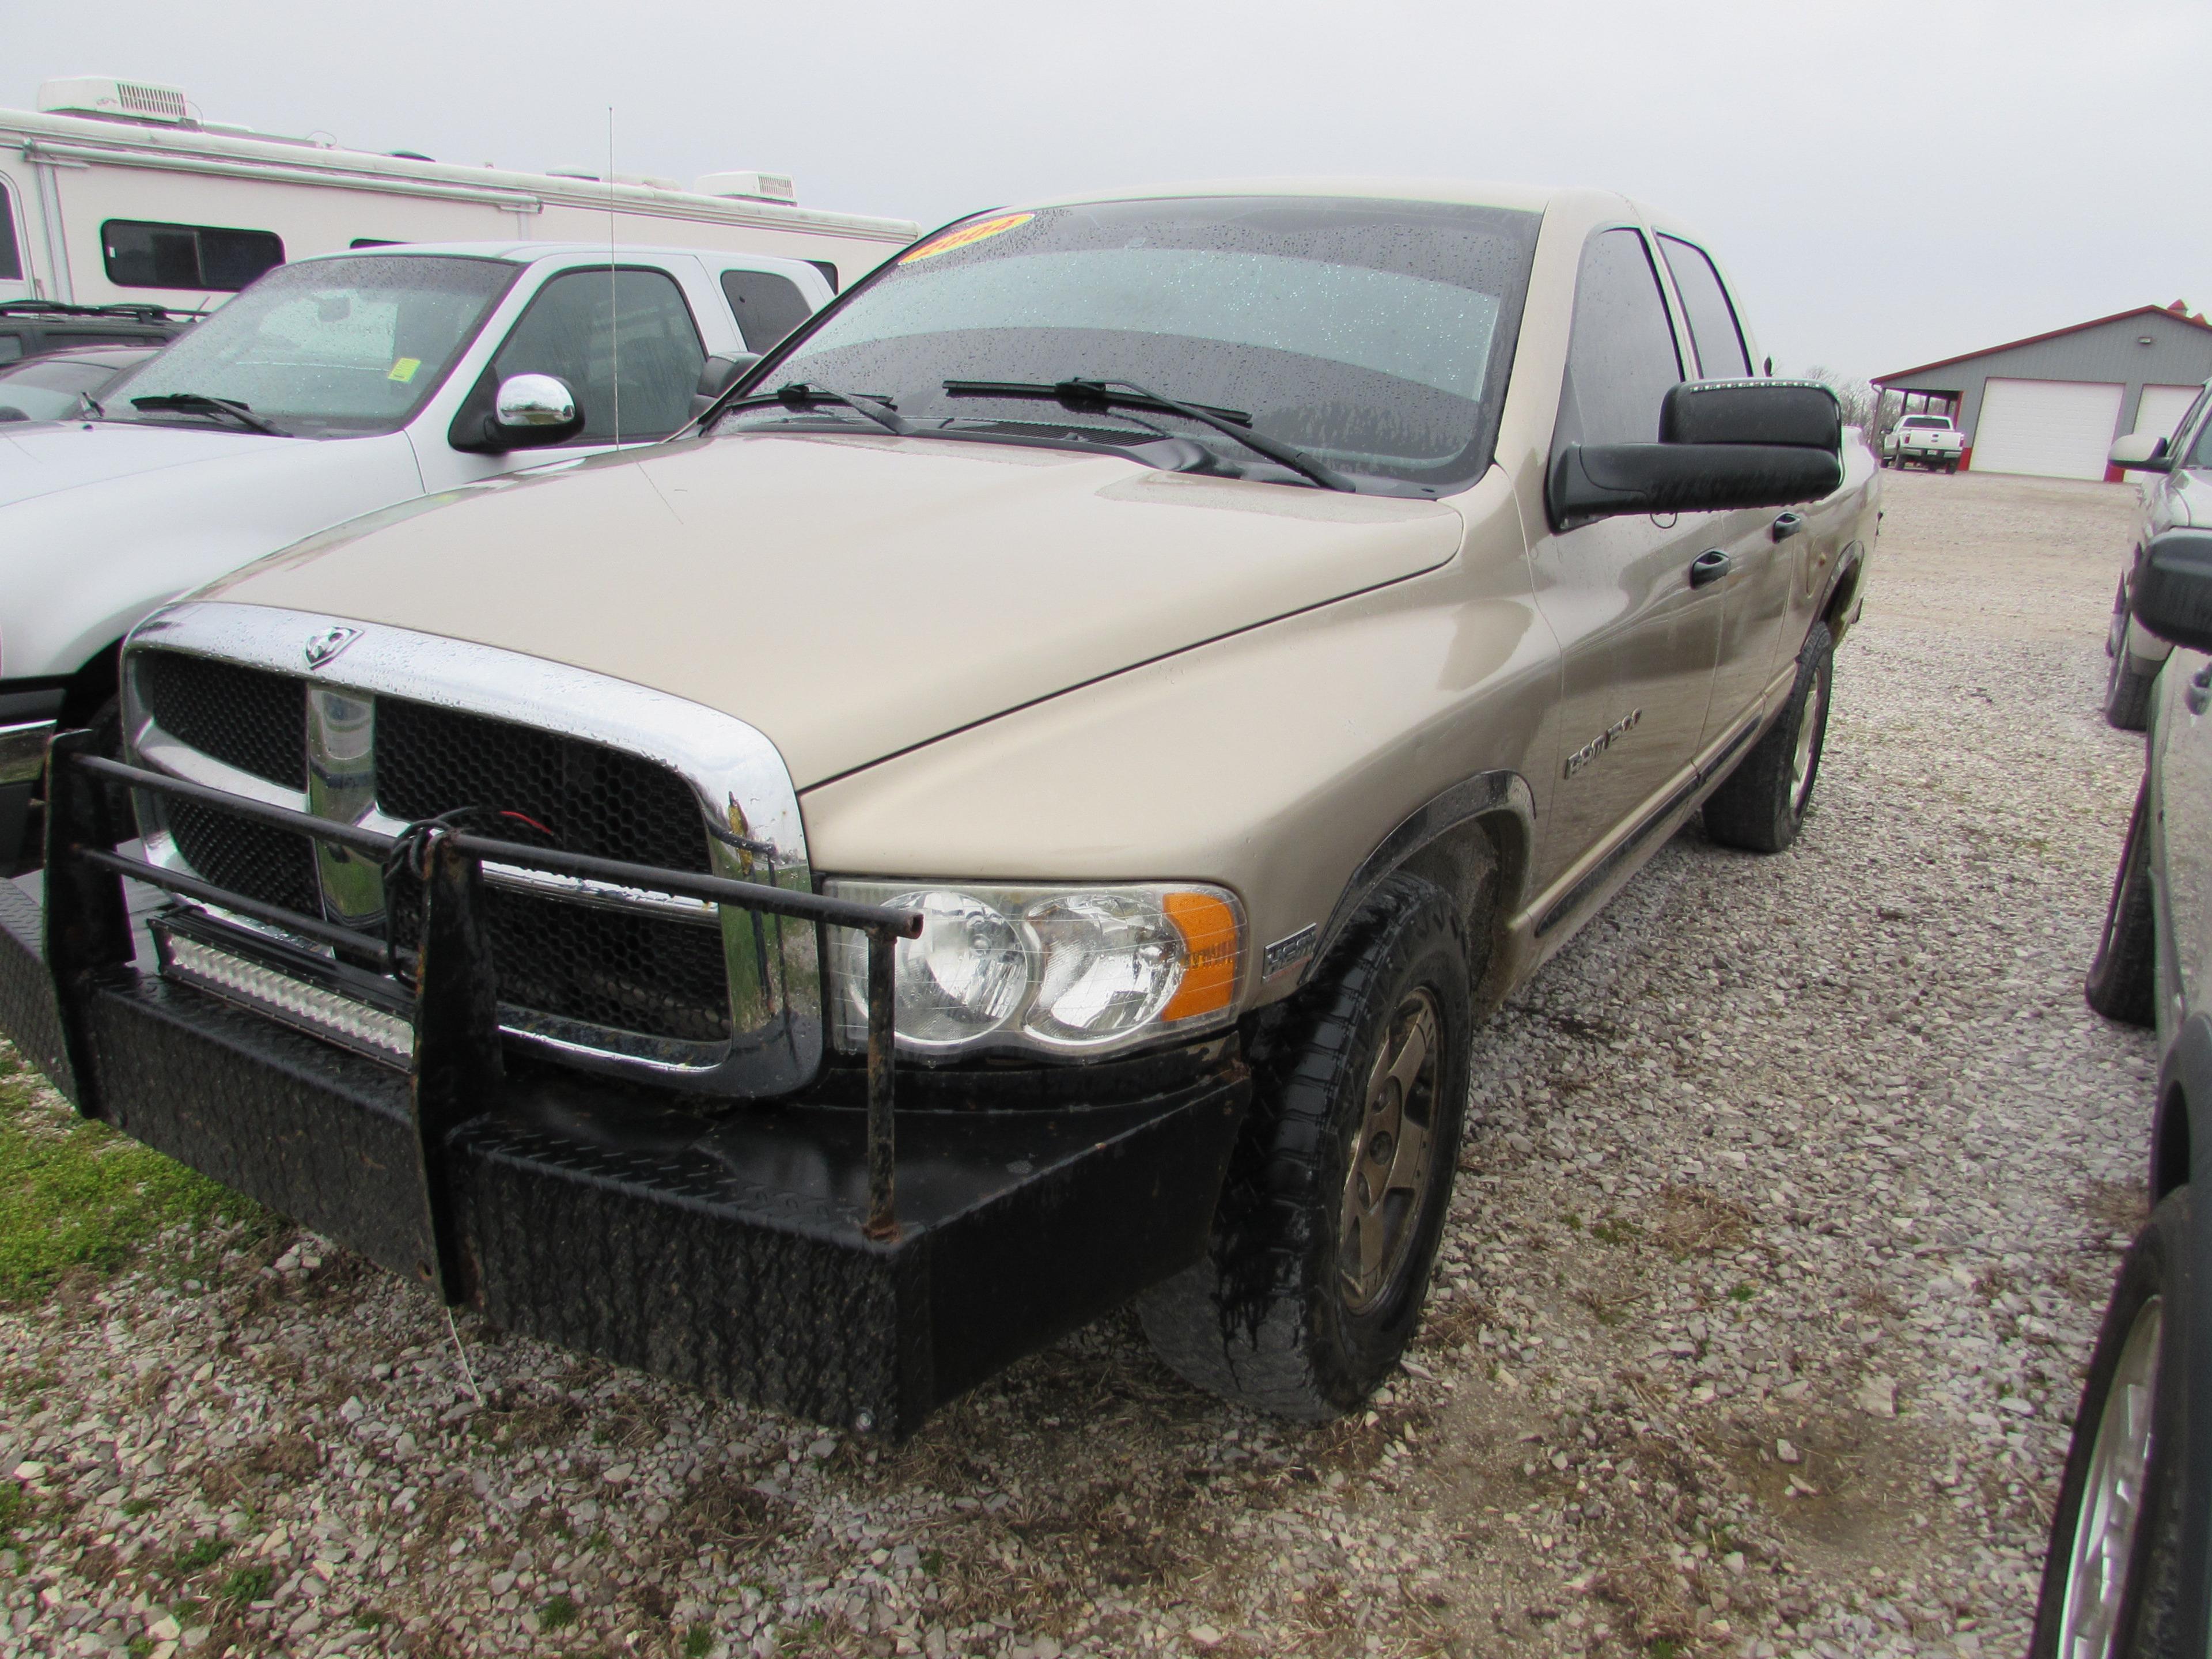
(1722, 444)
(2172, 594)
(717, 375)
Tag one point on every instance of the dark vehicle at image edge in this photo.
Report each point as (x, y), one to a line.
(2131, 1538)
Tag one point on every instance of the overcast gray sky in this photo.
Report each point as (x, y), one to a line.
(1889, 182)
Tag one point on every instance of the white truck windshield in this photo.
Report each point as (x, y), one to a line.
(325, 348)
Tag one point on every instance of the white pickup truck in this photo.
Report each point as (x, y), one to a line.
(1929, 441)
(332, 387)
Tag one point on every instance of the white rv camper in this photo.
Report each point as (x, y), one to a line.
(113, 191)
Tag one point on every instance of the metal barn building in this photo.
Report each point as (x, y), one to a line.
(2053, 404)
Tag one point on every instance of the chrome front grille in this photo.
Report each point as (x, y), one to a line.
(383, 734)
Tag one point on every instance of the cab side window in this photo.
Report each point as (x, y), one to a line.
(624, 342)
(1714, 329)
(1621, 356)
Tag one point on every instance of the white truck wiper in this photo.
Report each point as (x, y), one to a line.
(198, 402)
(800, 394)
(1078, 394)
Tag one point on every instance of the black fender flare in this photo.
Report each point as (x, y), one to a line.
(1478, 796)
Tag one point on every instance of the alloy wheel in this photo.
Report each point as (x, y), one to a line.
(1801, 758)
(2112, 1496)
(1389, 1169)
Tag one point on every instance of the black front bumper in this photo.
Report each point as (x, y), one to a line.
(729, 1251)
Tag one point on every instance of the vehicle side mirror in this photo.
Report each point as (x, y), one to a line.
(2140, 452)
(717, 375)
(530, 411)
(2172, 593)
(1722, 444)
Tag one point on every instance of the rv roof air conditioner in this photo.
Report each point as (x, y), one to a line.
(752, 186)
(103, 94)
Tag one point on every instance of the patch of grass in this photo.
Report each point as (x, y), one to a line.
(1664, 1647)
(74, 1193)
(136, 1507)
(1614, 1231)
(249, 1584)
(1742, 1293)
(199, 1555)
(932, 1562)
(558, 1614)
(14, 1509)
(696, 1641)
(371, 1619)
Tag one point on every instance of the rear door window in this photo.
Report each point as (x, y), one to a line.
(212, 258)
(1713, 326)
(767, 307)
(1621, 355)
(623, 341)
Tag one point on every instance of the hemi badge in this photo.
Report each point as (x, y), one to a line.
(321, 648)
(1288, 952)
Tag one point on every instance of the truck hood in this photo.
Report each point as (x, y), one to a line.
(100, 522)
(40, 458)
(853, 596)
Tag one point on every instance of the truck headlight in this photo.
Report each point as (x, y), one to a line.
(1076, 970)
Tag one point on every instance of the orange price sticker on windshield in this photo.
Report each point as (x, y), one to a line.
(966, 236)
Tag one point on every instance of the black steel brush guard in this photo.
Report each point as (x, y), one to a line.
(459, 1069)
(758, 1249)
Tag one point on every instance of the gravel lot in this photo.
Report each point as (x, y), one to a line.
(1791, 1197)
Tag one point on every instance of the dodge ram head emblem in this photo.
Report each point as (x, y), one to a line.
(321, 648)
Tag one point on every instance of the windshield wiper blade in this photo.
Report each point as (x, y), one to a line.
(1081, 393)
(198, 402)
(1078, 394)
(800, 394)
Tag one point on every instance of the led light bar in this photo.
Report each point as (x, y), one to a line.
(310, 1008)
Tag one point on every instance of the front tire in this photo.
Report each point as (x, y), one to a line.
(1319, 1261)
(1761, 806)
(2111, 1579)
(2123, 977)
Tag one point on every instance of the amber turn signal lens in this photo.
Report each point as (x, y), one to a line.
(1208, 927)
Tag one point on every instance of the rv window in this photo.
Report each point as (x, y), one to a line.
(653, 348)
(211, 258)
(768, 307)
(829, 272)
(11, 347)
(372, 241)
(11, 262)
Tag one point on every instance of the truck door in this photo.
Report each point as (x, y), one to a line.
(624, 340)
(2181, 769)
(1755, 593)
(1639, 628)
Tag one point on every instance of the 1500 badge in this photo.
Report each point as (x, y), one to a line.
(1597, 745)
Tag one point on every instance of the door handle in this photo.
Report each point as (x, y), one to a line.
(1788, 524)
(1709, 567)
(2199, 691)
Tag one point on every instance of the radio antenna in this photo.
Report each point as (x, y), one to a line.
(614, 309)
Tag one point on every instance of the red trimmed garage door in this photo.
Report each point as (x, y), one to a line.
(2051, 428)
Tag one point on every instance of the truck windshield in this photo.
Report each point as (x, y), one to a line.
(1373, 335)
(324, 349)
(1928, 422)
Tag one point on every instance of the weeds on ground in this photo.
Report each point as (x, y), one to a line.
(74, 1193)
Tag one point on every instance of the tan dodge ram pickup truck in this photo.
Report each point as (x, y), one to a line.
(1020, 810)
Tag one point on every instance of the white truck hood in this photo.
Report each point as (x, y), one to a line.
(102, 522)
